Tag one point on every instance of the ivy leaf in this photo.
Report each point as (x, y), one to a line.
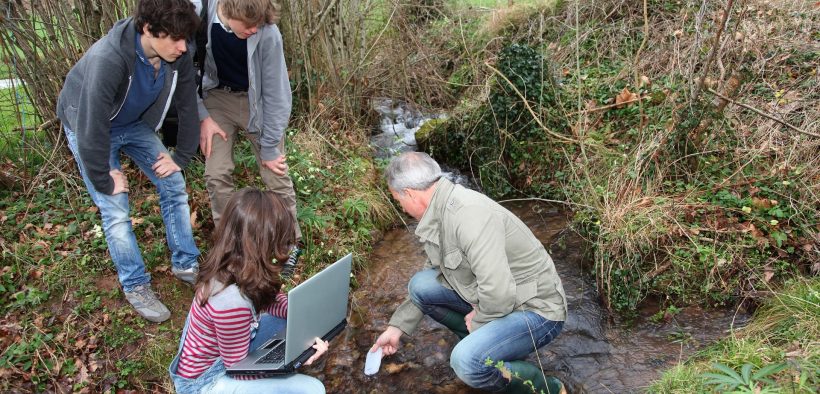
(779, 238)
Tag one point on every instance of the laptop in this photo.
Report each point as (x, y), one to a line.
(316, 308)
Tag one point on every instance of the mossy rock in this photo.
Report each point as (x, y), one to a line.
(444, 140)
(423, 133)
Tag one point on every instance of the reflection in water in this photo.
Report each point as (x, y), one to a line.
(591, 354)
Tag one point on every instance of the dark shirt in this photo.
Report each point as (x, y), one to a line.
(231, 57)
(144, 90)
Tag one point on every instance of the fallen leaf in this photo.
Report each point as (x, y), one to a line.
(768, 274)
(624, 98)
(137, 221)
(36, 274)
(763, 203)
(645, 81)
(392, 368)
(82, 376)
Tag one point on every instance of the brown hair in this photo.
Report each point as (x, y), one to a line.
(250, 12)
(176, 18)
(255, 229)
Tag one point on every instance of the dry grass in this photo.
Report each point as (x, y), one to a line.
(762, 59)
(518, 14)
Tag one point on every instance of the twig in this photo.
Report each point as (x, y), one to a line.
(546, 200)
(764, 114)
(586, 111)
(527, 104)
(643, 42)
(47, 124)
(322, 15)
(713, 53)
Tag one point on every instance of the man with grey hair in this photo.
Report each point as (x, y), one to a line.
(487, 278)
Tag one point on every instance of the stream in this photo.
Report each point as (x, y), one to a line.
(595, 353)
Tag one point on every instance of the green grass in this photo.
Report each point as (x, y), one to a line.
(777, 353)
(16, 113)
(72, 327)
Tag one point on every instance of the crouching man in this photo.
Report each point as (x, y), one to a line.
(487, 278)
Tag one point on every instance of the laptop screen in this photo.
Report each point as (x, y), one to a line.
(316, 306)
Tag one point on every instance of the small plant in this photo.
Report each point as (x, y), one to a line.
(127, 368)
(728, 380)
(499, 365)
(665, 314)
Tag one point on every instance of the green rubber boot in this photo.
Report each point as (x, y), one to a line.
(527, 378)
(455, 322)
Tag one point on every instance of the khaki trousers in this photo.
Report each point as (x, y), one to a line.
(230, 111)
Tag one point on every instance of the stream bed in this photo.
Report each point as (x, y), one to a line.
(594, 354)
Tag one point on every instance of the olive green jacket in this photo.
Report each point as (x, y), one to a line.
(488, 256)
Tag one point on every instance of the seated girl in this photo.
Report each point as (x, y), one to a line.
(238, 299)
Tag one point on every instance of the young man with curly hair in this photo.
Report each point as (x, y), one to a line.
(113, 101)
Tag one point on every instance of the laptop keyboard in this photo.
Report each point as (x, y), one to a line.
(276, 355)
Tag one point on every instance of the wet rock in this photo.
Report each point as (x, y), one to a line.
(434, 360)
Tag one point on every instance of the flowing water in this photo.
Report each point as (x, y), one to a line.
(397, 128)
(593, 354)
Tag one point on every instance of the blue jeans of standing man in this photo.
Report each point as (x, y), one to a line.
(143, 146)
(512, 337)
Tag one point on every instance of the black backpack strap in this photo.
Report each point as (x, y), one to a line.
(201, 42)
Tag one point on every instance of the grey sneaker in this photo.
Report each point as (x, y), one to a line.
(186, 275)
(143, 299)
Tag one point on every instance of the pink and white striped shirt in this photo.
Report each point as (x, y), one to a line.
(221, 328)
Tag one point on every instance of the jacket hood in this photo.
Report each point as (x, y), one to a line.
(121, 35)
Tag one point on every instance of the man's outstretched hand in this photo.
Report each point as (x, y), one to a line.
(388, 341)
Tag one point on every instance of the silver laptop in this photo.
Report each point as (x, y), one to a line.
(316, 308)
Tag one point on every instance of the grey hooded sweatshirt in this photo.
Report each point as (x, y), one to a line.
(95, 90)
(269, 96)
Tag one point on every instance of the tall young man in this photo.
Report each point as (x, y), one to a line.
(112, 102)
(245, 87)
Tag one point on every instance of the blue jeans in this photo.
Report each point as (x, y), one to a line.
(142, 145)
(214, 380)
(512, 337)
